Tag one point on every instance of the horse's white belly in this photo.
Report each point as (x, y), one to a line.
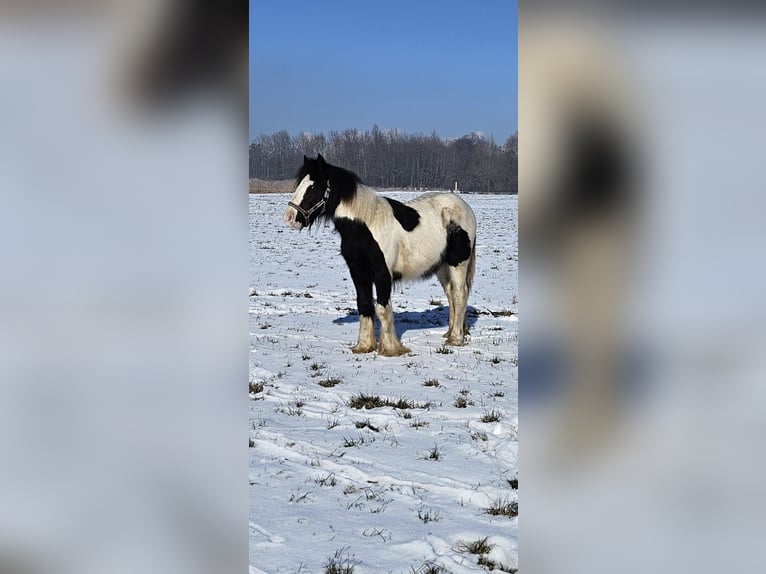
(418, 251)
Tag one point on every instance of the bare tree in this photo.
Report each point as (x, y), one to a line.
(391, 158)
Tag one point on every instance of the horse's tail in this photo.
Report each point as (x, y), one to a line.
(471, 267)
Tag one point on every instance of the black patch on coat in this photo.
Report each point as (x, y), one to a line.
(458, 245)
(366, 262)
(407, 217)
(458, 249)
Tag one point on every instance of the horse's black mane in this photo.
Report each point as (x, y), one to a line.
(343, 182)
(302, 172)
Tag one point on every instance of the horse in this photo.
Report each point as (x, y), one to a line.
(385, 241)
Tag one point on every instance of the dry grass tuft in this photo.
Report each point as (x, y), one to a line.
(503, 507)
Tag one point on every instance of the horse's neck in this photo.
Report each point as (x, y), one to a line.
(362, 207)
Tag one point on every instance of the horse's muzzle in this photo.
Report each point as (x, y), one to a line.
(305, 213)
(291, 218)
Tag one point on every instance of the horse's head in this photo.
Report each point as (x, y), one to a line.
(311, 194)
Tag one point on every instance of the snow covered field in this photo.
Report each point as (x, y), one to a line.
(399, 465)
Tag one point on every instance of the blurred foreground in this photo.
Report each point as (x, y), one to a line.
(123, 339)
(642, 405)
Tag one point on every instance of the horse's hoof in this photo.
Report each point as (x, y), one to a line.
(394, 352)
(454, 342)
(362, 349)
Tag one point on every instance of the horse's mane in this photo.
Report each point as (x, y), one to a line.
(302, 172)
(343, 181)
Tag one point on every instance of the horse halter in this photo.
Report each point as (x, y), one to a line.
(306, 213)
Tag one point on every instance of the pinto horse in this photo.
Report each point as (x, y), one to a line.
(385, 241)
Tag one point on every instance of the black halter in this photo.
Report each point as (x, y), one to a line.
(306, 213)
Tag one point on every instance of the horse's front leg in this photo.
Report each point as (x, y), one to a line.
(364, 304)
(390, 345)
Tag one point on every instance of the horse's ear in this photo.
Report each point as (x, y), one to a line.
(322, 163)
(305, 159)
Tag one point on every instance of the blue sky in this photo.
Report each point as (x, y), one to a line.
(417, 65)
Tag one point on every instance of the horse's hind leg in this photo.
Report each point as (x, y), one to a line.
(453, 279)
(443, 275)
(458, 329)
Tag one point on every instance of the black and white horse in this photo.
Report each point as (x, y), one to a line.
(384, 241)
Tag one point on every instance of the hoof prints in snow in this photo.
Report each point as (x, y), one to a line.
(368, 460)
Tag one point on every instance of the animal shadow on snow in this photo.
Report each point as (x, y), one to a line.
(406, 320)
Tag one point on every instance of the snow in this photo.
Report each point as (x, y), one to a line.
(385, 489)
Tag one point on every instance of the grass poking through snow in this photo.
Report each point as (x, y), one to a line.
(428, 568)
(461, 402)
(327, 480)
(329, 383)
(480, 546)
(256, 388)
(434, 453)
(337, 564)
(503, 507)
(428, 515)
(362, 401)
(366, 424)
(491, 416)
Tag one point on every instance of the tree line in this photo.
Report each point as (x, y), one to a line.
(393, 159)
